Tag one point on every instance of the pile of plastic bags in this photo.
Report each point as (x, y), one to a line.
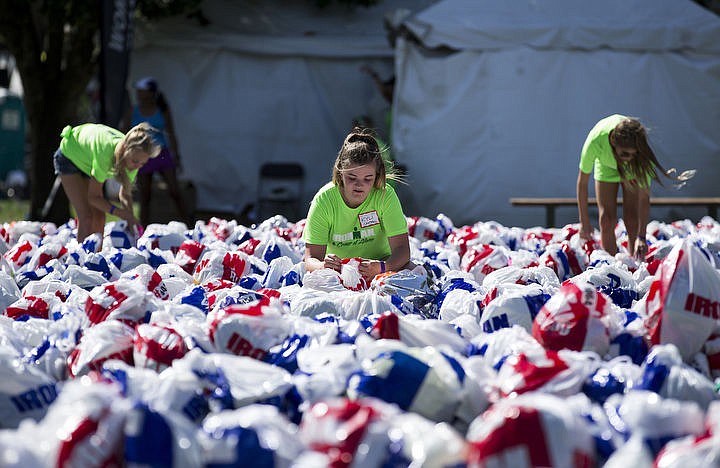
(211, 346)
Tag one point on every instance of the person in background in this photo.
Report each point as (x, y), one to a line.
(357, 214)
(618, 151)
(386, 88)
(152, 107)
(90, 154)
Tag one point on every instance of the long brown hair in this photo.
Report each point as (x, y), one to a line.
(360, 148)
(644, 167)
(138, 138)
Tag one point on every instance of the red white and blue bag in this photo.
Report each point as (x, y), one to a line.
(160, 438)
(229, 266)
(665, 373)
(111, 339)
(421, 380)
(119, 236)
(324, 370)
(574, 318)
(416, 331)
(41, 306)
(516, 306)
(560, 373)
(682, 306)
(482, 259)
(25, 391)
(530, 430)
(249, 329)
(647, 421)
(256, 435)
(703, 450)
(350, 275)
(163, 237)
(564, 260)
(122, 300)
(349, 432)
(188, 254)
(248, 380)
(156, 346)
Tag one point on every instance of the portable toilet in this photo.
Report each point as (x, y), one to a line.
(12, 133)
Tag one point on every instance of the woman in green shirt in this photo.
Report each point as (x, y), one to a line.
(89, 154)
(617, 149)
(357, 214)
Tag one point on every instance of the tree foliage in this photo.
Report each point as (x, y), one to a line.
(56, 47)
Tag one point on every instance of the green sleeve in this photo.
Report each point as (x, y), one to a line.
(393, 217)
(588, 154)
(317, 225)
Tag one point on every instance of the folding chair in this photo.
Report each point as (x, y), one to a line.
(280, 190)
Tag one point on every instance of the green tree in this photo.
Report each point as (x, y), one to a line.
(56, 46)
(55, 63)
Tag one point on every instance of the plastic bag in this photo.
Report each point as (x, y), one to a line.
(257, 435)
(249, 329)
(110, 339)
(530, 430)
(574, 318)
(682, 306)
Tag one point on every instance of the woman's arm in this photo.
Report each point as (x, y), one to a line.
(398, 259)
(98, 200)
(582, 203)
(315, 252)
(643, 210)
(643, 215)
(172, 139)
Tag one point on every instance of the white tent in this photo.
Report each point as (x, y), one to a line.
(265, 82)
(494, 99)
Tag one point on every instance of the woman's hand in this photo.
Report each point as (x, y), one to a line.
(333, 262)
(371, 268)
(641, 249)
(128, 216)
(585, 232)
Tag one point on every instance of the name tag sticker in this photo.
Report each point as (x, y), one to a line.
(369, 218)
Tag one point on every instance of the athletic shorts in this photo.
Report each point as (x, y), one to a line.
(63, 166)
(160, 163)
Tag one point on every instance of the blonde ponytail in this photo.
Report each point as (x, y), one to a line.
(138, 138)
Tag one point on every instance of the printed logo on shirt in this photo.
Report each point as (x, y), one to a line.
(357, 237)
(369, 218)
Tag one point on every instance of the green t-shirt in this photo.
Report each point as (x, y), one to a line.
(597, 153)
(91, 147)
(355, 232)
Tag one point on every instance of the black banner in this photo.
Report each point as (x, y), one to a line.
(116, 29)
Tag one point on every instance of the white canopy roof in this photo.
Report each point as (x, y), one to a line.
(494, 99)
(568, 24)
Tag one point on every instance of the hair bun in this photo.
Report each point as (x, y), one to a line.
(361, 135)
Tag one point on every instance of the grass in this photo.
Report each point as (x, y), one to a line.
(13, 209)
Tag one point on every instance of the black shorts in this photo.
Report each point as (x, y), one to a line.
(63, 166)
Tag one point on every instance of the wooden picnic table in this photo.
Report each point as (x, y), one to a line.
(552, 203)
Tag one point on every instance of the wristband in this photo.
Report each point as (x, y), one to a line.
(112, 208)
(382, 266)
(642, 238)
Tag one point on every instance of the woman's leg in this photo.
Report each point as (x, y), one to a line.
(144, 181)
(606, 193)
(173, 186)
(76, 189)
(631, 214)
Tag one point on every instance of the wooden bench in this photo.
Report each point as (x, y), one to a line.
(550, 204)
